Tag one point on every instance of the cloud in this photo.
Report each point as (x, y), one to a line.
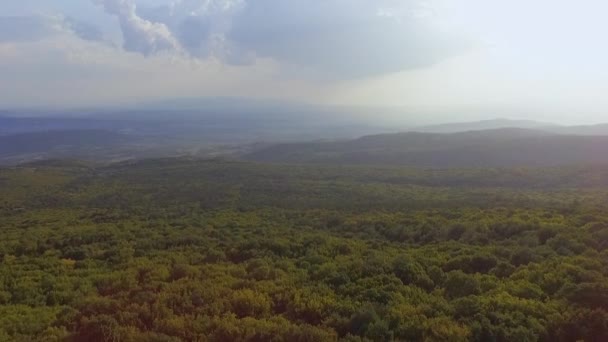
(199, 26)
(83, 30)
(337, 38)
(140, 35)
(341, 38)
(20, 29)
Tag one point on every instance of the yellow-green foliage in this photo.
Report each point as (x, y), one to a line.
(172, 250)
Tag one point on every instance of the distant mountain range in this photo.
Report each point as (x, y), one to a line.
(209, 120)
(283, 132)
(505, 147)
(484, 125)
(599, 129)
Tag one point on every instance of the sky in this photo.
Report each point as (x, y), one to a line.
(451, 59)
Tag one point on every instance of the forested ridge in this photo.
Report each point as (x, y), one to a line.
(502, 147)
(187, 250)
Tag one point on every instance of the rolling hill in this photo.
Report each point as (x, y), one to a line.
(457, 127)
(488, 148)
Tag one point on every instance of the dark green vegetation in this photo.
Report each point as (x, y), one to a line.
(170, 250)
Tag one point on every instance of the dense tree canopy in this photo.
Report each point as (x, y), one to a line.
(178, 250)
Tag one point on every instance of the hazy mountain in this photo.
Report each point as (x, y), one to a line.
(263, 110)
(239, 120)
(599, 129)
(483, 125)
(220, 126)
(210, 120)
(488, 148)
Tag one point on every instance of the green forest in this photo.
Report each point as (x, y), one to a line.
(193, 250)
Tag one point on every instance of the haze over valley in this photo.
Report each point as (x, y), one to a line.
(238, 129)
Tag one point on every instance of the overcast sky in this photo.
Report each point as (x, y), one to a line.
(461, 59)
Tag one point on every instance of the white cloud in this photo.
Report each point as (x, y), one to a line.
(65, 71)
(546, 56)
(140, 35)
(335, 38)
